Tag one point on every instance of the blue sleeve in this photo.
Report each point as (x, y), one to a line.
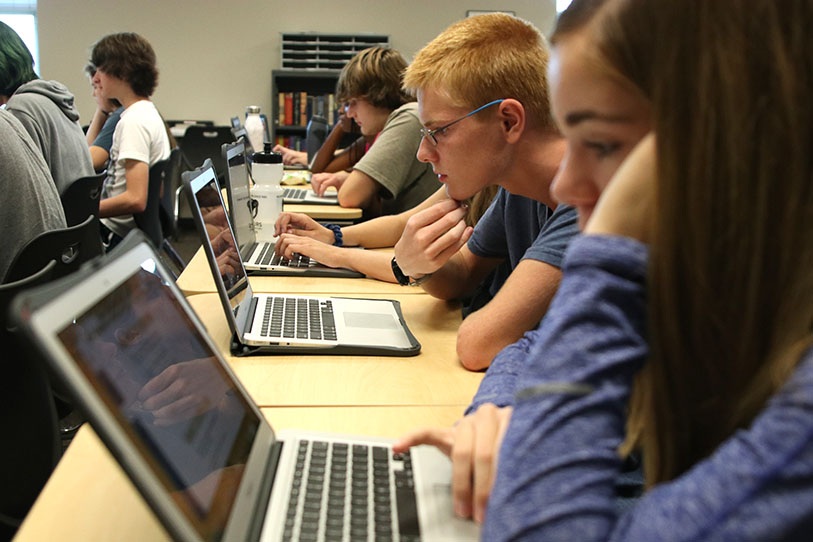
(558, 462)
(554, 237)
(499, 383)
(105, 137)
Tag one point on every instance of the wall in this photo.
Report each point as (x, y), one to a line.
(216, 56)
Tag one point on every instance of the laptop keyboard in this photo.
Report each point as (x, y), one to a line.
(270, 257)
(294, 193)
(351, 492)
(299, 318)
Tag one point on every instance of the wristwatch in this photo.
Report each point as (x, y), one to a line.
(404, 280)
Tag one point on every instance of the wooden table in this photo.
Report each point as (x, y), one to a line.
(196, 278)
(433, 377)
(90, 499)
(324, 212)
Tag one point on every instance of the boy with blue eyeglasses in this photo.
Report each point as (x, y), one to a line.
(483, 103)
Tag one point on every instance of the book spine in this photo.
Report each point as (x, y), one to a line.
(289, 109)
(303, 108)
(281, 110)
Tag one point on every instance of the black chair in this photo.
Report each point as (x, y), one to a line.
(172, 123)
(149, 220)
(81, 198)
(170, 204)
(69, 247)
(202, 142)
(28, 416)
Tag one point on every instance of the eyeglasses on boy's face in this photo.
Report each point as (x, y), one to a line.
(432, 134)
(352, 102)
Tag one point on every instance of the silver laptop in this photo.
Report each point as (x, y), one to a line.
(156, 390)
(289, 194)
(307, 196)
(257, 245)
(268, 323)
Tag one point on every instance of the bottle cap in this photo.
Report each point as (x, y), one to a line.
(267, 156)
(252, 109)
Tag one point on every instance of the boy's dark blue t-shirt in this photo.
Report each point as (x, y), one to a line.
(515, 228)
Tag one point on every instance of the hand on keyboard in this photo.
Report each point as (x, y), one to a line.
(289, 244)
(473, 445)
(302, 225)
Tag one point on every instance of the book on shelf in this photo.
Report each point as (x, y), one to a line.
(296, 108)
(289, 109)
(296, 143)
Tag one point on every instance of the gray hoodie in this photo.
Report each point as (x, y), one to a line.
(32, 205)
(46, 110)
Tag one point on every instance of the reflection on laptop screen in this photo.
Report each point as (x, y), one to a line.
(219, 231)
(166, 388)
(243, 212)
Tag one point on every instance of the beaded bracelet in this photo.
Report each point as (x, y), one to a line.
(338, 239)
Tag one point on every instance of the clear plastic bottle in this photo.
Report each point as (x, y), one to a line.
(254, 126)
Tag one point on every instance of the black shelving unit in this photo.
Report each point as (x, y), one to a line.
(312, 82)
(307, 51)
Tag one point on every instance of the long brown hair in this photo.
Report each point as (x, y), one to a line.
(730, 283)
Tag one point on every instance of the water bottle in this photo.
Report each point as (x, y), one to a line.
(267, 173)
(254, 126)
(315, 136)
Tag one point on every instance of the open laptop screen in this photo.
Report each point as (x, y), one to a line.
(242, 211)
(168, 391)
(221, 238)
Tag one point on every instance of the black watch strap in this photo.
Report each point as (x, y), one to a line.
(402, 279)
(405, 280)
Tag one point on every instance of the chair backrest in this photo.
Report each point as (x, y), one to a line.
(81, 198)
(69, 247)
(169, 197)
(149, 221)
(28, 416)
(202, 142)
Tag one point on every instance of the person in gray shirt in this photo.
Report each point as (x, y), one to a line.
(32, 203)
(45, 109)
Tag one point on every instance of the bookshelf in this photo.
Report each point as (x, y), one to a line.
(307, 81)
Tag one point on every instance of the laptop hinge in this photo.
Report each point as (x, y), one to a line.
(258, 518)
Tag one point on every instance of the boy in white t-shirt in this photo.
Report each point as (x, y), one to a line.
(126, 71)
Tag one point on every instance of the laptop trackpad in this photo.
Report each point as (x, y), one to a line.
(367, 320)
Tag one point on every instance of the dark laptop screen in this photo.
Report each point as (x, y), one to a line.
(168, 391)
(221, 238)
(242, 211)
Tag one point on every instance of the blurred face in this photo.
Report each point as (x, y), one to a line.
(600, 119)
(106, 86)
(104, 105)
(467, 153)
(371, 119)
